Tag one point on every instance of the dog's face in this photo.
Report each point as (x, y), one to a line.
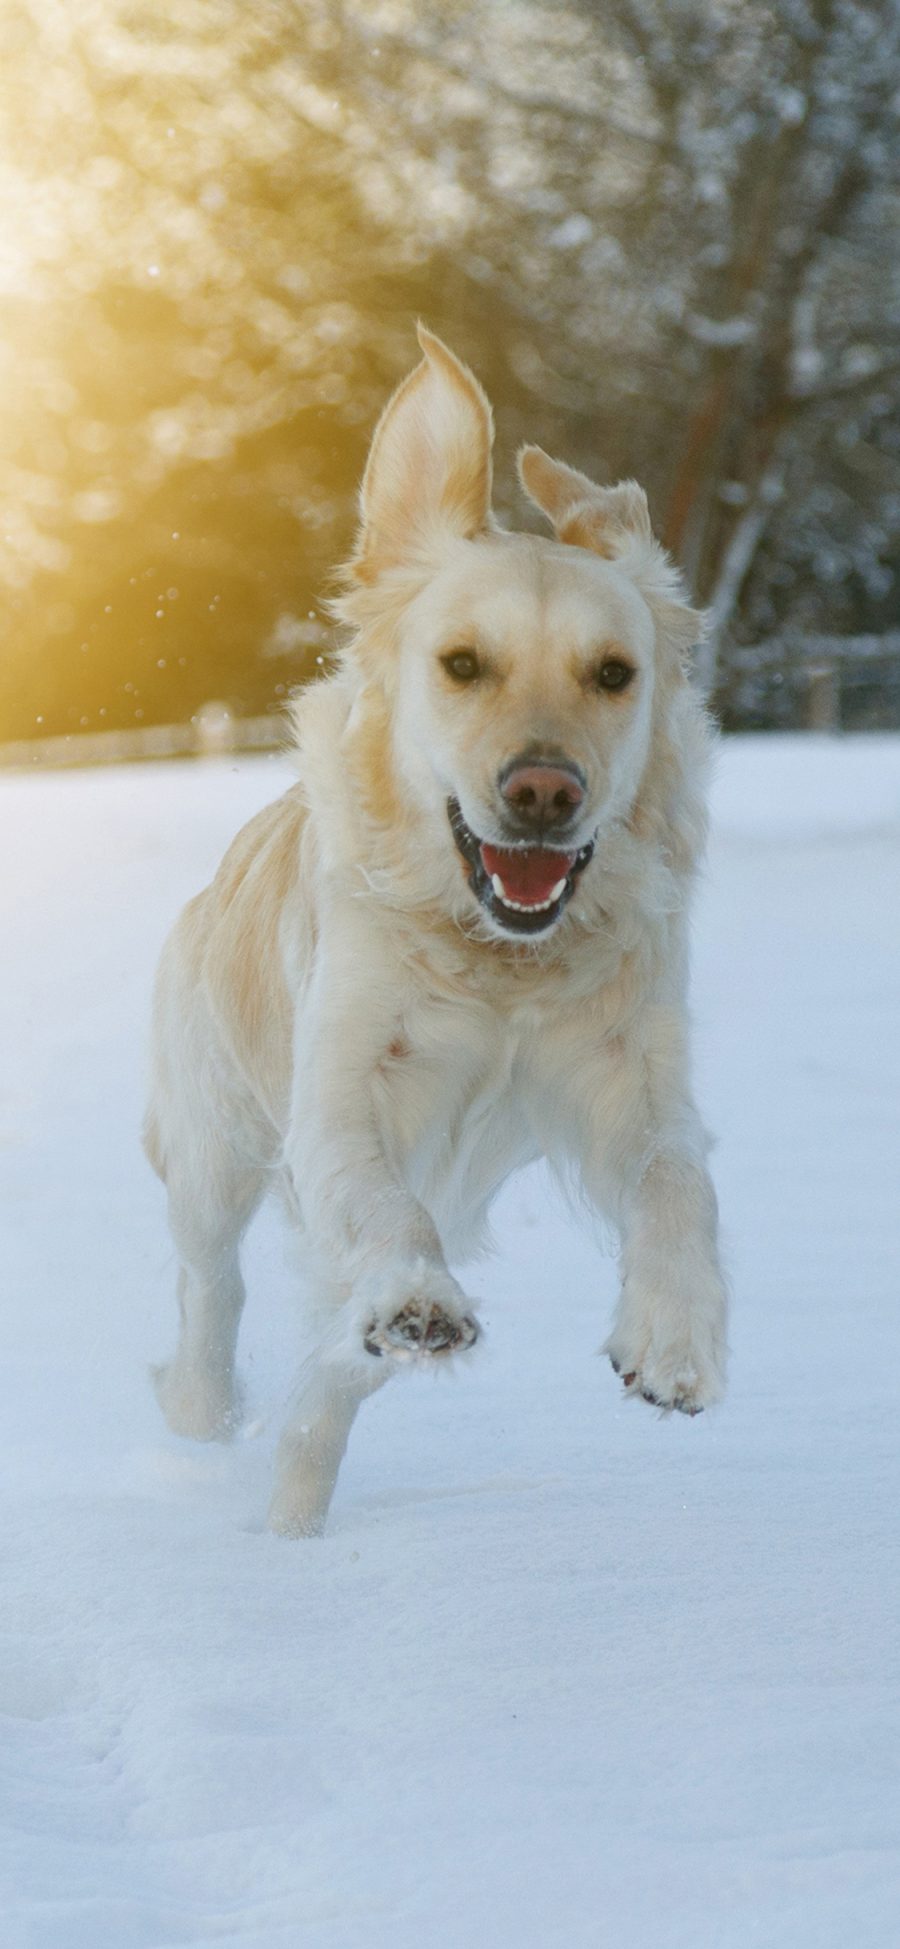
(522, 670)
(522, 715)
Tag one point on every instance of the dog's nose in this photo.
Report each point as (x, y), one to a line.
(542, 795)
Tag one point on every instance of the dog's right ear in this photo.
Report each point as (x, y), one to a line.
(429, 466)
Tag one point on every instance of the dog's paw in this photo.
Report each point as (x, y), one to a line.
(668, 1341)
(679, 1374)
(428, 1322)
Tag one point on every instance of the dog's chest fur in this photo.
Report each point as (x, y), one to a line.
(452, 1096)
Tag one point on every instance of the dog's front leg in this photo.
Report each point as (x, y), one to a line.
(645, 1165)
(668, 1340)
(347, 1150)
(387, 1294)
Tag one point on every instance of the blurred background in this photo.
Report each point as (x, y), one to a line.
(664, 232)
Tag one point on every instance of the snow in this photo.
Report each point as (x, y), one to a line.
(561, 1671)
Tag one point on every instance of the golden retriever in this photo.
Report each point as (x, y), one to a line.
(458, 944)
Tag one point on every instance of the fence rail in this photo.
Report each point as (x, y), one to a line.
(213, 732)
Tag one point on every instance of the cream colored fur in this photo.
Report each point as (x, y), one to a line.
(339, 1013)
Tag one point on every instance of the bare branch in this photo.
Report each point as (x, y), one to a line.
(735, 567)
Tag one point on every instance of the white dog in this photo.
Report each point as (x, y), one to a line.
(459, 943)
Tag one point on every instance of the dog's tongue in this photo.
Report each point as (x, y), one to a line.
(528, 874)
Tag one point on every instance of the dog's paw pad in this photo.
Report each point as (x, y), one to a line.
(418, 1330)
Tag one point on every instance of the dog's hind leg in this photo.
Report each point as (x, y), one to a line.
(209, 1208)
(332, 1387)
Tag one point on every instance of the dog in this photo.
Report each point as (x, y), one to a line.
(459, 943)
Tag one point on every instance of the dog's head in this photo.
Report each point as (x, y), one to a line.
(523, 682)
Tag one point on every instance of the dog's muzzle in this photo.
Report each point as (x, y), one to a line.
(523, 888)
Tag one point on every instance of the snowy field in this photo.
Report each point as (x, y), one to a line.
(561, 1673)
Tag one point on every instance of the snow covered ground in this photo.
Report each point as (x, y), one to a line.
(561, 1672)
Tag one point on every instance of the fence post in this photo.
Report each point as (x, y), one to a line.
(215, 731)
(823, 709)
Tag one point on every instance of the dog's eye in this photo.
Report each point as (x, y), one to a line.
(462, 665)
(613, 674)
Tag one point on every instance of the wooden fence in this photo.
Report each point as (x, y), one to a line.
(813, 682)
(820, 672)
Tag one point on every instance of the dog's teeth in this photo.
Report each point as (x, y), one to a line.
(525, 906)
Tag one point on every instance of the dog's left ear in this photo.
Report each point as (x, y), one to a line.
(602, 519)
(613, 522)
(429, 467)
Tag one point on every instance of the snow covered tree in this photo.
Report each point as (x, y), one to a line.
(664, 231)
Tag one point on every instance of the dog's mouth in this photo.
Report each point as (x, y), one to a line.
(523, 888)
